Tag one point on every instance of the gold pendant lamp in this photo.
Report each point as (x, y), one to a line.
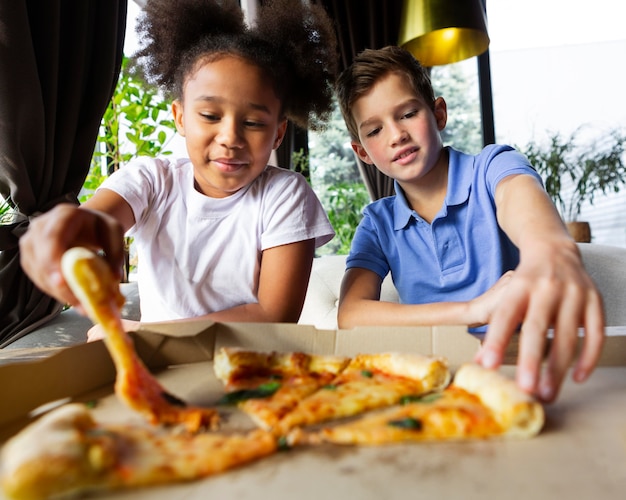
(439, 32)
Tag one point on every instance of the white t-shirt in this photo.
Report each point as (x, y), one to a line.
(197, 254)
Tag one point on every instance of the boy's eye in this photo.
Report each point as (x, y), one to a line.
(373, 132)
(410, 114)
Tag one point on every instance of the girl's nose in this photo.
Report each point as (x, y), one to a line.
(229, 134)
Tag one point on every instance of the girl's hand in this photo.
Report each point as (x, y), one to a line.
(64, 227)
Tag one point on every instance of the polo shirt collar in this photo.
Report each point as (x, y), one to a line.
(460, 172)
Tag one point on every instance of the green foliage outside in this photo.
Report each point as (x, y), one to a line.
(6, 211)
(344, 205)
(574, 172)
(137, 122)
(337, 181)
(459, 88)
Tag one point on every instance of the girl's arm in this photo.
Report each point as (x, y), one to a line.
(283, 281)
(550, 288)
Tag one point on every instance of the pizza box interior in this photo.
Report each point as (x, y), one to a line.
(581, 451)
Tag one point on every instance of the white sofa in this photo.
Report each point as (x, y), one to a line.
(606, 265)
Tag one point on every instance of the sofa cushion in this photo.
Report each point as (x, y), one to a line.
(606, 265)
(322, 298)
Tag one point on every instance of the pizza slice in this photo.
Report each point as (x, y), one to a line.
(479, 404)
(91, 280)
(369, 381)
(267, 385)
(67, 452)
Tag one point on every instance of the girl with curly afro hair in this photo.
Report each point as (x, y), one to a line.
(219, 234)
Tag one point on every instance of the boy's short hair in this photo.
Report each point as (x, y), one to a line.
(368, 67)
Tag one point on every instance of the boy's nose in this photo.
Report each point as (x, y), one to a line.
(398, 135)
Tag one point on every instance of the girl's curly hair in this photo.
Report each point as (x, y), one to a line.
(293, 43)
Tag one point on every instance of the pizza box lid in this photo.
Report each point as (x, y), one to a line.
(73, 371)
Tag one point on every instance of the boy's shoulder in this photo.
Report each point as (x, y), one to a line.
(488, 151)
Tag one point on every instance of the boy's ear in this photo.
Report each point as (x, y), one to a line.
(441, 113)
(361, 153)
(280, 133)
(177, 112)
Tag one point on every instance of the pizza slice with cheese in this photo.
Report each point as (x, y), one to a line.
(267, 385)
(479, 404)
(370, 381)
(67, 452)
(91, 280)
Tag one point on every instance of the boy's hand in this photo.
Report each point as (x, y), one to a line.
(550, 289)
(483, 306)
(64, 227)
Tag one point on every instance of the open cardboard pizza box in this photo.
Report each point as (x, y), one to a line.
(581, 452)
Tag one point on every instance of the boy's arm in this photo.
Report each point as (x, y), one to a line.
(550, 288)
(359, 304)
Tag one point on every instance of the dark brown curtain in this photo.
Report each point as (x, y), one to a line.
(363, 24)
(59, 62)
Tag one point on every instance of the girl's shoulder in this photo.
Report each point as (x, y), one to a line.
(161, 167)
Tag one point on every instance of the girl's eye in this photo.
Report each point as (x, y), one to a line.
(209, 116)
(253, 124)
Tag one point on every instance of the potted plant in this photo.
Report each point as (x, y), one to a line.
(574, 173)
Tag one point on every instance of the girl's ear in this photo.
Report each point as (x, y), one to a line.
(280, 133)
(361, 153)
(177, 112)
(441, 113)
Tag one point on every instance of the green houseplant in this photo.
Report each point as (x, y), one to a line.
(574, 172)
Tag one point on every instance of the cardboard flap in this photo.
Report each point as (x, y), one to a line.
(67, 373)
(172, 343)
(451, 342)
(275, 337)
(74, 371)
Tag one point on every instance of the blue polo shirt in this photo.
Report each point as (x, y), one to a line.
(458, 256)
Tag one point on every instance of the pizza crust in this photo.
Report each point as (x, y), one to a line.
(432, 370)
(519, 414)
